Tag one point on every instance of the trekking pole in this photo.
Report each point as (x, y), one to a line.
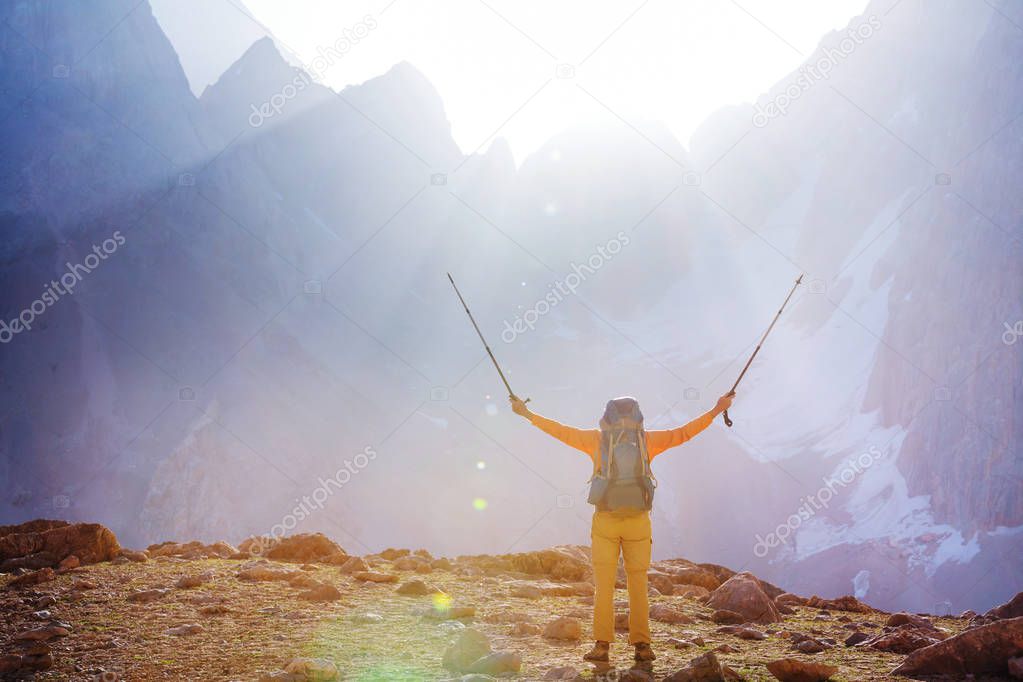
(728, 421)
(511, 394)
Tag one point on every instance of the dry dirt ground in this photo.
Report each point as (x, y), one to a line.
(265, 624)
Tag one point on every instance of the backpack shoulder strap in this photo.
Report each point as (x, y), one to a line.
(647, 469)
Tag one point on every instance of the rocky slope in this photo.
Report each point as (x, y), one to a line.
(303, 609)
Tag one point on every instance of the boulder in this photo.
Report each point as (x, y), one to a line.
(664, 613)
(559, 563)
(525, 590)
(191, 550)
(564, 628)
(1015, 666)
(743, 594)
(354, 565)
(320, 591)
(856, 638)
(390, 554)
(622, 621)
(705, 668)
(43, 575)
(981, 650)
(726, 617)
(691, 591)
(846, 603)
(44, 633)
(312, 669)
(789, 599)
(523, 629)
(415, 588)
(375, 577)
(470, 646)
(188, 582)
(265, 571)
(497, 663)
(411, 563)
(661, 582)
(134, 556)
(69, 562)
(562, 672)
(915, 621)
(809, 645)
(1011, 609)
(300, 548)
(796, 670)
(902, 639)
(44, 543)
(694, 575)
(441, 564)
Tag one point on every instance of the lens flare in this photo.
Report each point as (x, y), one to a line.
(481, 465)
(479, 504)
(441, 601)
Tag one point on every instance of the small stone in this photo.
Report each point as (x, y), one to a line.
(526, 591)
(375, 577)
(187, 582)
(184, 630)
(856, 638)
(680, 643)
(146, 596)
(43, 633)
(564, 628)
(795, 670)
(750, 634)
(525, 629)
(367, 618)
(318, 669)
(810, 646)
(214, 610)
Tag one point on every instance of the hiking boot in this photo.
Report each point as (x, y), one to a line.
(599, 652)
(644, 652)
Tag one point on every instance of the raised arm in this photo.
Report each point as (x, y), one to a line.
(587, 440)
(659, 441)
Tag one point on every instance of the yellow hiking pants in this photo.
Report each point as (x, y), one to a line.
(628, 534)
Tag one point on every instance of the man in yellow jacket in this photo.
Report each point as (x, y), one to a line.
(621, 522)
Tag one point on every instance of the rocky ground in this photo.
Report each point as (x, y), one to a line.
(305, 610)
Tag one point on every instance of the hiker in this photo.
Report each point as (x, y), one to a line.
(621, 489)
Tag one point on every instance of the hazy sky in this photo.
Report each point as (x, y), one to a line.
(670, 60)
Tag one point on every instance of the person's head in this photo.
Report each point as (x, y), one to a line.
(622, 413)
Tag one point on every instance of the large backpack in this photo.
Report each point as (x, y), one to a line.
(622, 479)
